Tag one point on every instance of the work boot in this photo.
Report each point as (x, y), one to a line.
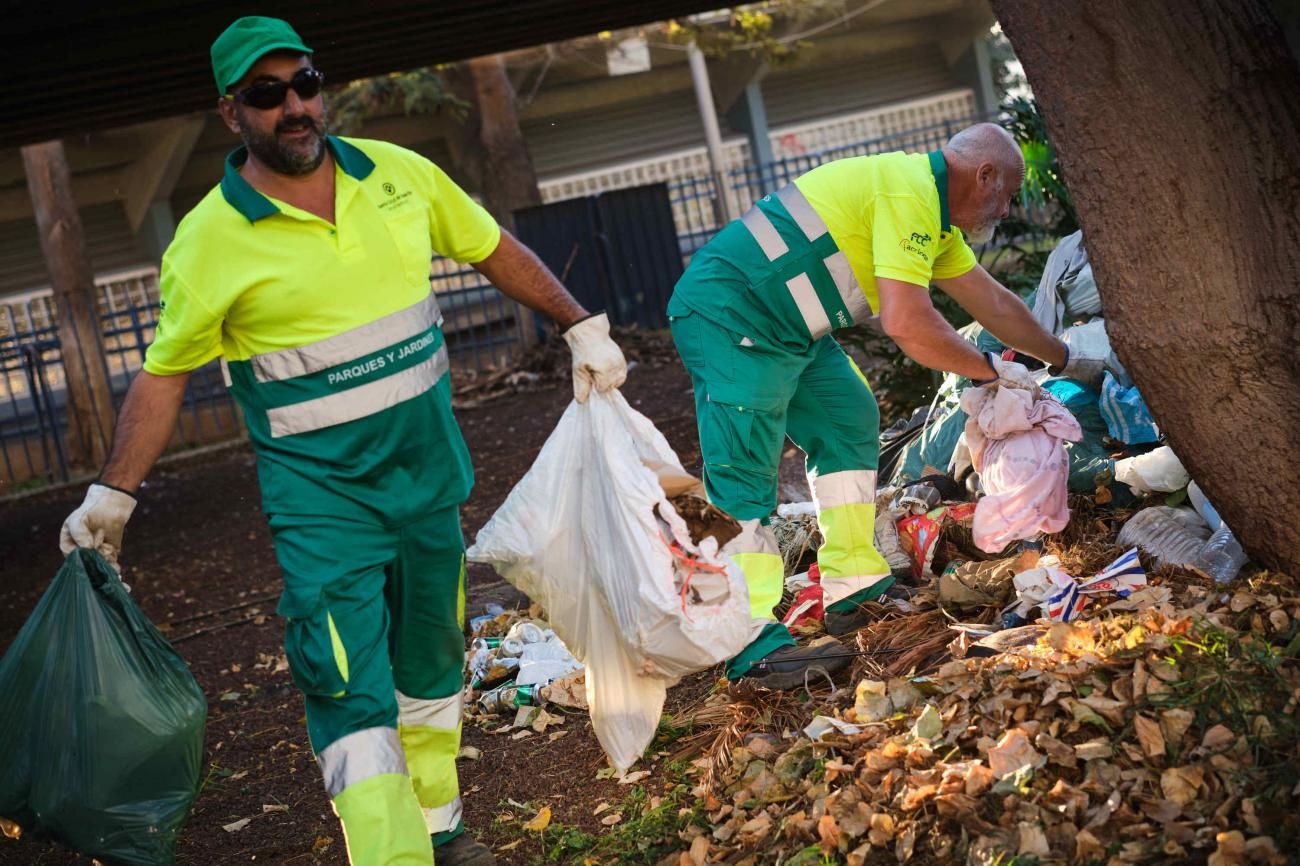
(461, 850)
(788, 667)
(850, 614)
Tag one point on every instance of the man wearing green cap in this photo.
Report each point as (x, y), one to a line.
(306, 270)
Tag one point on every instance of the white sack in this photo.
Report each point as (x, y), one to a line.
(580, 536)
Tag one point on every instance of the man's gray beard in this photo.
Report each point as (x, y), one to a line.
(981, 234)
(282, 158)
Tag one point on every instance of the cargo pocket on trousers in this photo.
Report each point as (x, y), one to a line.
(318, 660)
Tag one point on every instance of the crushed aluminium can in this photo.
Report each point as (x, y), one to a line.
(509, 697)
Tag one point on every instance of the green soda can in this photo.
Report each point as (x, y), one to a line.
(508, 697)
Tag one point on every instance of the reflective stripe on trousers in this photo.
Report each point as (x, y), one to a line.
(846, 514)
(756, 553)
(359, 756)
(430, 733)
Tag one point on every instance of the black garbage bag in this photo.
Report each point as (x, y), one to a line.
(101, 722)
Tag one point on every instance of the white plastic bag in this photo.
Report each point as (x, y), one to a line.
(580, 535)
(1158, 471)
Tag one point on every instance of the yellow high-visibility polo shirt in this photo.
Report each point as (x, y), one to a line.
(888, 214)
(247, 275)
(805, 260)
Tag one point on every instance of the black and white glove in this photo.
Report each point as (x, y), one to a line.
(1008, 374)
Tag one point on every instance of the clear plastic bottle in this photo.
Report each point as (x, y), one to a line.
(1173, 536)
(1221, 557)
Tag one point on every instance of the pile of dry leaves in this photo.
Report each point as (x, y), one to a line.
(1166, 734)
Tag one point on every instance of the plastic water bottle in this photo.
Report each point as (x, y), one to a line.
(1168, 534)
(1203, 506)
(1221, 557)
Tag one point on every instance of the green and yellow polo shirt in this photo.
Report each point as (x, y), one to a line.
(805, 260)
(329, 334)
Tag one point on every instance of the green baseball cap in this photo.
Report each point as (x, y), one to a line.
(242, 43)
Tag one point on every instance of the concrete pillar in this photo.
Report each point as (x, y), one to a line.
(974, 70)
(712, 133)
(750, 115)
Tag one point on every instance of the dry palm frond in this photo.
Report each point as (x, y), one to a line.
(796, 537)
(905, 643)
(725, 719)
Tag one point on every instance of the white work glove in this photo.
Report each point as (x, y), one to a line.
(597, 360)
(1082, 362)
(98, 523)
(1008, 374)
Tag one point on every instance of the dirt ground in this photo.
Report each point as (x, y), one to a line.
(199, 559)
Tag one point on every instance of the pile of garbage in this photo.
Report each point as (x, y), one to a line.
(516, 668)
(1113, 451)
(1080, 667)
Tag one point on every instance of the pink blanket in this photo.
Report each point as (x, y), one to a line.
(1016, 445)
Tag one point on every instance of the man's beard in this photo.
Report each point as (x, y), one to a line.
(293, 158)
(982, 234)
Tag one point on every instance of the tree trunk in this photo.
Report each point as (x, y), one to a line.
(89, 399)
(1178, 129)
(491, 150)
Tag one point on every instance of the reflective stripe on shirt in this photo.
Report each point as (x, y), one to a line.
(349, 345)
(810, 306)
(359, 402)
(802, 212)
(816, 317)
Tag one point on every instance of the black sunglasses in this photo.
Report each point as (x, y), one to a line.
(307, 83)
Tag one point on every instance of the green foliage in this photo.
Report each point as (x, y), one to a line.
(1044, 185)
(1240, 681)
(745, 30)
(420, 91)
(767, 30)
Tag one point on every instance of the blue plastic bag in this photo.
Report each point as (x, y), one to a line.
(1127, 417)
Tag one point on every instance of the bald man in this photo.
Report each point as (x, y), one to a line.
(752, 319)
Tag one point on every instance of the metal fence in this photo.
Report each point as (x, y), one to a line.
(694, 197)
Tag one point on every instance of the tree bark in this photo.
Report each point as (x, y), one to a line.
(1178, 128)
(490, 149)
(89, 398)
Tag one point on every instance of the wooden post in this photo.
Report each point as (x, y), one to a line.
(89, 400)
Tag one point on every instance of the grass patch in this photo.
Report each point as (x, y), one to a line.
(652, 827)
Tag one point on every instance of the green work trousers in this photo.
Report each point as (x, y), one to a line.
(374, 639)
(751, 394)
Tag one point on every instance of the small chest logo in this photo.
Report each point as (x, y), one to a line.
(396, 201)
(920, 239)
